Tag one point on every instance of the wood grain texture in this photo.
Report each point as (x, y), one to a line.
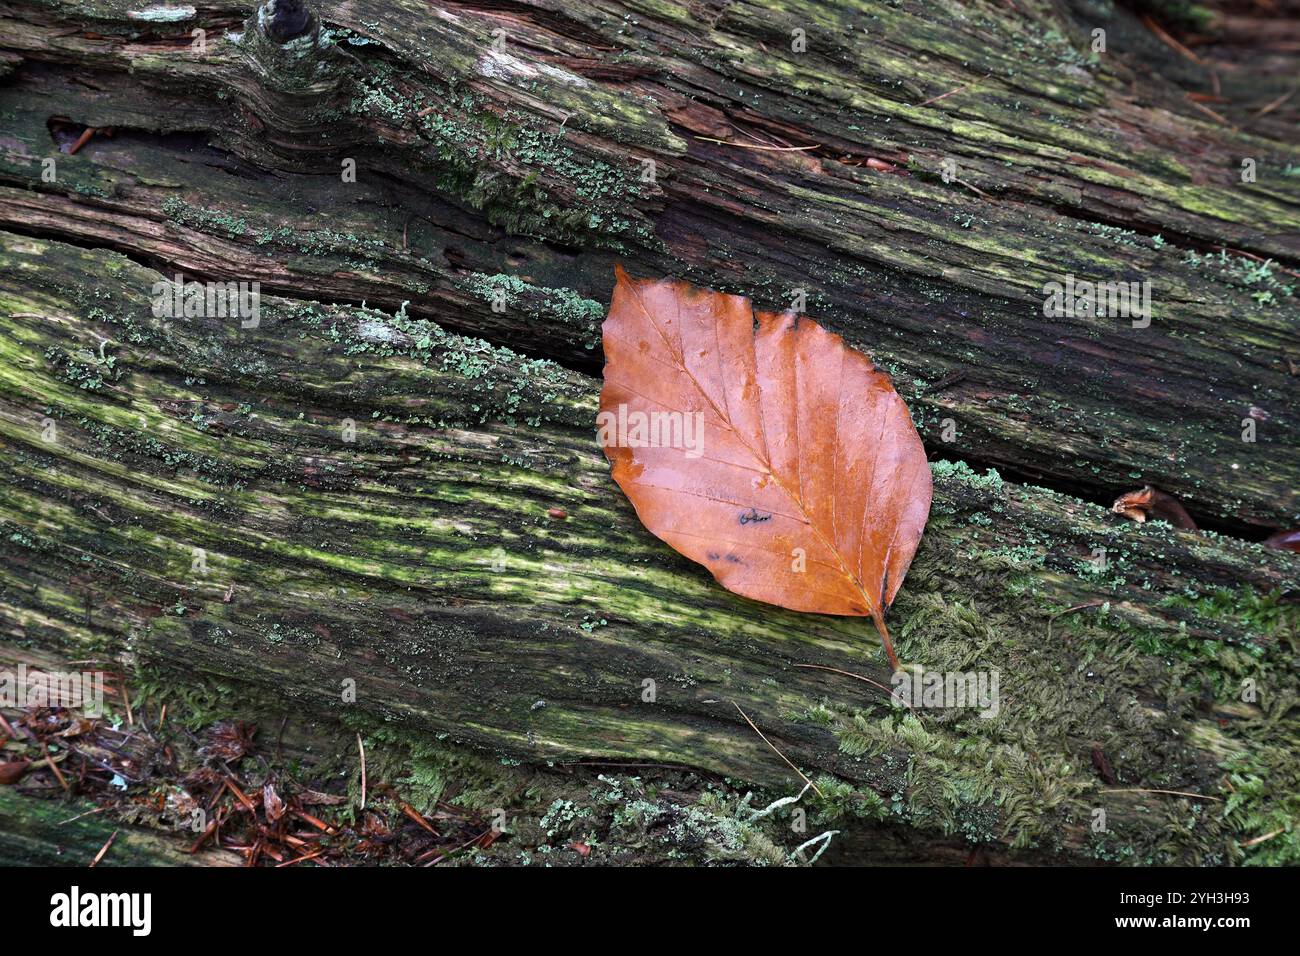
(447, 304)
(528, 171)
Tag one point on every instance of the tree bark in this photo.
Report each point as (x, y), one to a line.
(359, 489)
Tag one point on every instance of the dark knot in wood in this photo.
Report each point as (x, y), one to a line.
(285, 19)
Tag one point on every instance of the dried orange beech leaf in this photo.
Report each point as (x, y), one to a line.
(763, 447)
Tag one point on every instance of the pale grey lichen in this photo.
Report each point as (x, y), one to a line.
(162, 14)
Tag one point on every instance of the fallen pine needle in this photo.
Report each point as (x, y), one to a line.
(1251, 255)
(1271, 106)
(1266, 836)
(362, 748)
(975, 189)
(1169, 41)
(778, 752)
(944, 96)
(299, 859)
(241, 796)
(314, 821)
(203, 837)
(103, 849)
(468, 843)
(82, 140)
(63, 781)
(1172, 793)
(1209, 112)
(776, 149)
(865, 680)
(80, 815)
(414, 814)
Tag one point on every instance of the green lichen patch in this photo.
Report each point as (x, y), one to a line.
(580, 317)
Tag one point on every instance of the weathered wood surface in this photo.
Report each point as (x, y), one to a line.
(480, 167)
(55, 833)
(420, 561)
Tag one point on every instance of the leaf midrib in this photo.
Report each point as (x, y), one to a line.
(679, 361)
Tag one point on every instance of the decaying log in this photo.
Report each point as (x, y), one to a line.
(200, 508)
(359, 488)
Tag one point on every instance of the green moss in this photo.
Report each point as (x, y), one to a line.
(998, 779)
(1267, 616)
(1263, 805)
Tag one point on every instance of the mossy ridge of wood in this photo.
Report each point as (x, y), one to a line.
(421, 562)
(36, 832)
(1055, 142)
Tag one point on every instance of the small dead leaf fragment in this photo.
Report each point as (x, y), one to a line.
(1148, 502)
(12, 772)
(1102, 766)
(272, 803)
(1284, 540)
(763, 447)
(229, 741)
